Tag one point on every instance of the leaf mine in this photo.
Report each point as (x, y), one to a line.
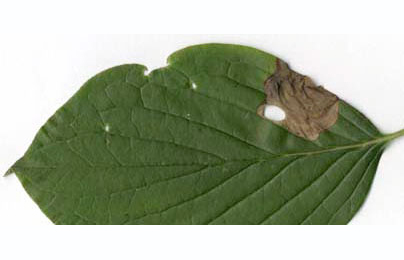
(309, 109)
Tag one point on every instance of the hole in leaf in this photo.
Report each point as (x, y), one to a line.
(274, 113)
(194, 86)
(147, 72)
(107, 128)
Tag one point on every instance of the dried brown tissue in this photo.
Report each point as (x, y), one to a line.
(309, 109)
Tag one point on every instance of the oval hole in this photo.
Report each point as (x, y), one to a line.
(274, 113)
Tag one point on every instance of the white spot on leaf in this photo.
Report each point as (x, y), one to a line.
(274, 113)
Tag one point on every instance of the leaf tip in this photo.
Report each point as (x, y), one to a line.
(9, 172)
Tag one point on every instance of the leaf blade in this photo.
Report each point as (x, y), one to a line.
(185, 145)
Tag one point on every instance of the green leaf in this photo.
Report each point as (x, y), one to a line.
(185, 145)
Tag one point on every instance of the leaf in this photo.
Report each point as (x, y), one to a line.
(185, 145)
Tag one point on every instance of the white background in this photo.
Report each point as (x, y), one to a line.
(40, 70)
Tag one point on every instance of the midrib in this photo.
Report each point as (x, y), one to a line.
(382, 139)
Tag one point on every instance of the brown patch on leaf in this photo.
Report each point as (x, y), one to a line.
(309, 109)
